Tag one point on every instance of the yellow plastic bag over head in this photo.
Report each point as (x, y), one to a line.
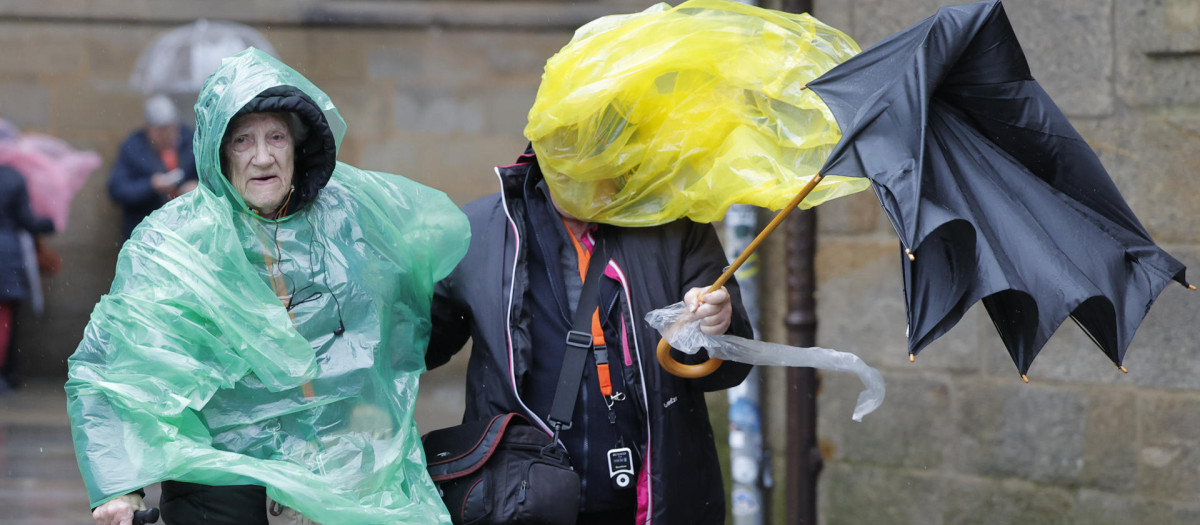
(648, 117)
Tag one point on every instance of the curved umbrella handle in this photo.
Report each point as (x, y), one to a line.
(703, 369)
(679, 369)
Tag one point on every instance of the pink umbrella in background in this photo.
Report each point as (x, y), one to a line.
(54, 171)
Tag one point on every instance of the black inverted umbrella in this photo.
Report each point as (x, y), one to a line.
(993, 193)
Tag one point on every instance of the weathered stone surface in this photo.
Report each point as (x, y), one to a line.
(853, 214)
(465, 176)
(1148, 155)
(397, 156)
(25, 103)
(861, 310)
(909, 430)
(875, 20)
(75, 113)
(849, 259)
(59, 53)
(837, 14)
(1158, 60)
(1169, 462)
(1015, 430)
(429, 110)
(1102, 508)
(866, 494)
(108, 50)
(1076, 72)
(1070, 355)
(524, 58)
(365, 106)
(507, 106)
(1163, 352)
(430, 58)
(1110, 448)
(999, 502)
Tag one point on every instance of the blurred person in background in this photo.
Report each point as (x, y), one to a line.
(16, 216)
(48, 174)
(154, 165)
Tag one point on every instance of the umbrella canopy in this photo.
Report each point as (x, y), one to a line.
(990, 188)
(53, 170)
(679, 112)
(181, 59)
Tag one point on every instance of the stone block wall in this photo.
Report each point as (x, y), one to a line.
(960, 438)
(438, 91)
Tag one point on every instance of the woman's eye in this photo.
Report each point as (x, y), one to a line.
(240, 143)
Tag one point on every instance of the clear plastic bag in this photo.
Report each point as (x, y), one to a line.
(680, 328)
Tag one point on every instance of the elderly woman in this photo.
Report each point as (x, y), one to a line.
(260, 348)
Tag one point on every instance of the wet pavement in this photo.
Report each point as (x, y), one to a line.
(39, 479)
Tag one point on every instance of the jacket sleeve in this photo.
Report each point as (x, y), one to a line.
(187, 156)
(451, 326)
(703, 261)
(25, 217)
(124, 185)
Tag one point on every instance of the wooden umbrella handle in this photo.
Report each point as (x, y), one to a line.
(679, 369)
(707, 367)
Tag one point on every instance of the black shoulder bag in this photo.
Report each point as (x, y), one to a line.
(506, 470)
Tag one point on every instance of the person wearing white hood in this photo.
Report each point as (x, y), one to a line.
(154, 164)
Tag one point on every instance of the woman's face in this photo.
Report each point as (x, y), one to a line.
(260, 155)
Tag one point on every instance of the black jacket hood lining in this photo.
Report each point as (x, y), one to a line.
(315, 156)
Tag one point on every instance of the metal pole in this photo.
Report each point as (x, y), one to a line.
(804, 461)
(745, 418)
(797, 6)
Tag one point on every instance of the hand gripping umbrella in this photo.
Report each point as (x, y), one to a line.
(994, 195)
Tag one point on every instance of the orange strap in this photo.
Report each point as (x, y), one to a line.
(170, 158)
(585, 258)
(280, 288)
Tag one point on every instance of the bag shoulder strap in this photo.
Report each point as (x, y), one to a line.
(579, 342)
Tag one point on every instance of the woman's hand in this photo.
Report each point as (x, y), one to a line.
(118, 511)
(714, 309)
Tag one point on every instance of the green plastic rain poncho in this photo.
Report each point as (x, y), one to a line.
(191, 368)
(679, 112)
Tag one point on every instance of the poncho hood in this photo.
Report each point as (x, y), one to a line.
(234, 349)
(255, 82)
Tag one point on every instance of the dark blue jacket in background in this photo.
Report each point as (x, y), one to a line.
(129, 185)
(15, 215)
